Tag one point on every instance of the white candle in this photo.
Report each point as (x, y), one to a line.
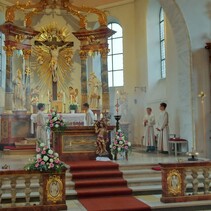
(95, 116)
(117, 94)
(101, 116)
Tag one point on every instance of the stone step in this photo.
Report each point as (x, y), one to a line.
(136, 166)
(144, 181)
(143, 173)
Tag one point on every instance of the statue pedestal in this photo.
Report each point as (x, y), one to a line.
(20, 112)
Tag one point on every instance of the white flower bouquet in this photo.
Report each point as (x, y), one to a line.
(55, 121)
(120, 144)
(46, 160)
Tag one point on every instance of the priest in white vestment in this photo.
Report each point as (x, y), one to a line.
(149, 137)
(41, 124)
(163, 129)
(90, 117)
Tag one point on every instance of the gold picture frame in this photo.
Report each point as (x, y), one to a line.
(174, 182)
(54, 189)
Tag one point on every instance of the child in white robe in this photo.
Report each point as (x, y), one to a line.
(163, 129)
(149, 137)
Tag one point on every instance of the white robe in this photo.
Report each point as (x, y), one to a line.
(149, 137)
(90, 117)
(41, 128)
(163, 134)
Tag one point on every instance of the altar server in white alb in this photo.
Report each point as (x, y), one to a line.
(163, 129)
(41, 124)
(90, 117)
(149, 137)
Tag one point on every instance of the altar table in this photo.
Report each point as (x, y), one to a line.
(78, 143)
(77, 119)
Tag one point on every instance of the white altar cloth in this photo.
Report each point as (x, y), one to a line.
(77, 119)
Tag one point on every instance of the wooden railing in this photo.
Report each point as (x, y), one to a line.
(186, 181)
(21, 188)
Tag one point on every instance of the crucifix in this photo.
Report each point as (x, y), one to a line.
(54, 47)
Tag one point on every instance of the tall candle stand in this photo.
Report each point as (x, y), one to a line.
(117, 116)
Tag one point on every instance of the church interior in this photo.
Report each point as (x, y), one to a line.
(122, 58)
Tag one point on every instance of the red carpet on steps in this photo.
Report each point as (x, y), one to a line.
(101, 187)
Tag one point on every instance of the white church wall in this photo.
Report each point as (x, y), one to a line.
(125, 16)
(197, 16)
(162, 90)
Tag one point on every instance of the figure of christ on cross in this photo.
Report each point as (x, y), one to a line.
(54, 47)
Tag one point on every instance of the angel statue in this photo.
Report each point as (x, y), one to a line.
(102, 137)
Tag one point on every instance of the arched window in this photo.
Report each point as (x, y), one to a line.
(115, 57)
(162, 43)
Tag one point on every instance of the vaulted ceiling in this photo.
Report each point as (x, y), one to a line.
(90, 3)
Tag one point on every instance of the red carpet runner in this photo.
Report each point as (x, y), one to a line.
(101, 187)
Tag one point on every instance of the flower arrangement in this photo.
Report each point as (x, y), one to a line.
(46, 160)
(120, 144)
(73, 106)
(55, 121)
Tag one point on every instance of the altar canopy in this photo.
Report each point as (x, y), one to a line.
(51, 69)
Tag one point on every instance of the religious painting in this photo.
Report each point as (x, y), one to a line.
(77, 144)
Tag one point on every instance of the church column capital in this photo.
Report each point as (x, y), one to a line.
(83, 54)
(9, 50)
(104, 52)
(26, 53)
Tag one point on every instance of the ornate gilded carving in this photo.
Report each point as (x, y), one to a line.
(102, 17)
(104, 52)
(9, 50)
(26, 53)
(63, 4)
(10, 14)
(83, 54)
(174, 182)
(54, 189)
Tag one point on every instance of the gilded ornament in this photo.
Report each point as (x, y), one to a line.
(10, 14)
(26, 53)
(174, 182)
(54, 189)
(83, 54)
(9, 50)
(27, 71)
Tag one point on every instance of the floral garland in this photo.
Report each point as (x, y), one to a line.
(46, 160)
(55, 121)
(120, 143)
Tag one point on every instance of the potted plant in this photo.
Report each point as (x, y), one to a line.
(73, 107)
(120, 145)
